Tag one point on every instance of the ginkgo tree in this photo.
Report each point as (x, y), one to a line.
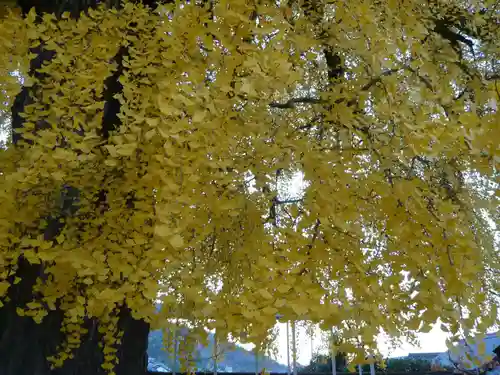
(149, 142)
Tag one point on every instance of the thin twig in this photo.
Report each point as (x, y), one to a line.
(492, 77)
(310, 246)
(375, 80)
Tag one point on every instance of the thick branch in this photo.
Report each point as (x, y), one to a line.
(288, 201)
(292, 102)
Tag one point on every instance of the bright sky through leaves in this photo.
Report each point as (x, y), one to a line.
(387, 110)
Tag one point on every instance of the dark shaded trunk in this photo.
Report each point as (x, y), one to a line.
(24, 344)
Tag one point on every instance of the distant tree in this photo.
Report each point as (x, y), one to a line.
(407, 365)
(323, 363)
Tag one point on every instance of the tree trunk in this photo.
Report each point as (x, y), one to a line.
(24, 344)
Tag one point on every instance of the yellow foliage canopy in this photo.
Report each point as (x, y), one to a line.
(392, 124)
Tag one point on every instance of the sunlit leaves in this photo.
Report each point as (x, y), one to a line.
(221, 110)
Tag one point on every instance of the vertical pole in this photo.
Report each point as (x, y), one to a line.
(360, 369)
(288, 347)
(174, 369)
(372, 368)
(215, 352)
(294, 349)
(312, 342)
(256, 361)
(334, 356)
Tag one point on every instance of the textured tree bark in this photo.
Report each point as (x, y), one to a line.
(25, 345)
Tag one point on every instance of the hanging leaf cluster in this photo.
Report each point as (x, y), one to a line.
(386, 110)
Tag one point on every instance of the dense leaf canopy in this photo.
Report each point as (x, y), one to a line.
(385, 110)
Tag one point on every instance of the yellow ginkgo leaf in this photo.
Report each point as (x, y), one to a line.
(176, 241)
